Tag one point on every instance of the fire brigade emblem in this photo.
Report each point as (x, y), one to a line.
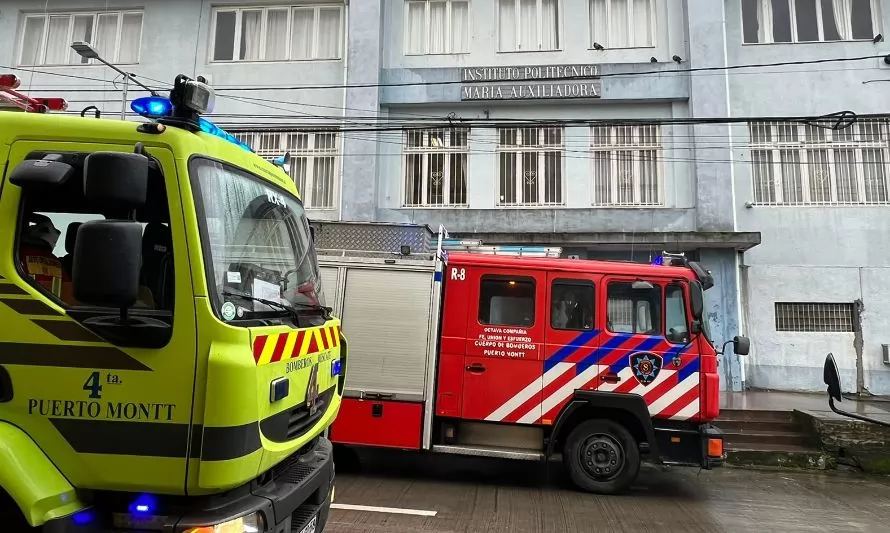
(646, 366)
(312, 391)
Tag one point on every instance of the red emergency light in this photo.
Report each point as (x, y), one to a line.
(8, 94)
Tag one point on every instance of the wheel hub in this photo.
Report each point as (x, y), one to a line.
(602, 457)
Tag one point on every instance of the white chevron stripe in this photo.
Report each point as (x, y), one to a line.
(642, 390)
(559, 395)
(672, 395)
(687, 412)
(526, 394)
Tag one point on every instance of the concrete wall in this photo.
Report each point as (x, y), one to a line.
(809, 254)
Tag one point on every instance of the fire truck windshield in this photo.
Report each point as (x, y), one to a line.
(256, 238)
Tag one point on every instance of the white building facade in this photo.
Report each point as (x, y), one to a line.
(573, 123)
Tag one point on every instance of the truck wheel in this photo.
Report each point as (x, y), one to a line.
(601, 456)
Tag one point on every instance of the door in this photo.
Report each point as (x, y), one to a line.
(503, 365)
(571, 341)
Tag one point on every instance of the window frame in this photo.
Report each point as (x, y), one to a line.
(449, 20)
(113, 56)
(653, 25)
(876, 19)
(517, 45)
(204, 233)
(426, 151)
(519, 278)
(541, 149)
(658, 323)
(253, 139)
(774, 148)
(239, 10)
(683, 288)
(577, 282)
(613, 148)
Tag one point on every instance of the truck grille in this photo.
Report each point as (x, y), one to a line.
(294, 423)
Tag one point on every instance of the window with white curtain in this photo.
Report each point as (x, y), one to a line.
(530, 162)
(314, 160)
(798, 21)
(805, 164)
(436, 167)
(622, 23)
(527, 25)
(437, 27)
(278, 33)
(626, 168)
(46, 39)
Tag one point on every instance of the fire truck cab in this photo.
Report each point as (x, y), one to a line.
(602, 364)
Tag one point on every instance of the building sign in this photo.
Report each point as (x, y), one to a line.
(530, 82)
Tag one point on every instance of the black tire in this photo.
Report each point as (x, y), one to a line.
(601, 457)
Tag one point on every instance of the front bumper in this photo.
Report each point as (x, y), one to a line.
(295, 492)
(698, 445)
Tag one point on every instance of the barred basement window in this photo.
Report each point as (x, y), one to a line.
(436, 167)
(626, 171)
(804, 164)
(814, 317)
(530, 166)
(313, 162)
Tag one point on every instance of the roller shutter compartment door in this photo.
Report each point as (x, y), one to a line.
(386, 319)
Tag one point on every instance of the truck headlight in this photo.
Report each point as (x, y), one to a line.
(252, 523)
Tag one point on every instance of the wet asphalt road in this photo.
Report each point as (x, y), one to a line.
(481, 495)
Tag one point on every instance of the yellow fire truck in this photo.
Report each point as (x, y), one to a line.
(167, 361)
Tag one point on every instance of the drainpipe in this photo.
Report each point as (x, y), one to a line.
(343, 118)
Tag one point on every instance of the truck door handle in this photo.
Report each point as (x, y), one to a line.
(477, 368)
(611, 377)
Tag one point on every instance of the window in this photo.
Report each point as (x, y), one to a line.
(506, 301)
(116, 35)
(634, 310)
(622, 23)
(437, 27)
(675, 323)
(797, 21)
(571, 305)
(626, 169)
(530, 166)
(804, 164)
(436, 167)
(47, 236)
(314, 161)
(258, 240)
(527, 25)
(279, 33)
(814, 317)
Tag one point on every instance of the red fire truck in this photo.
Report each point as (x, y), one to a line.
(516, 353)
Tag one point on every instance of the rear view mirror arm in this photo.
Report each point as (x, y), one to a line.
(855, 416)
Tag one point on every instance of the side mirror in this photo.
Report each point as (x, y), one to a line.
(312, 233)
(832, 377)
(107, 260)
(696, 300)
(116, 179)
(46, 173)
(741, 345)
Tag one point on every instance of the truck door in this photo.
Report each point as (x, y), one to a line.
(505, 331)
(112, 411)
(571, 340)
(632, 347)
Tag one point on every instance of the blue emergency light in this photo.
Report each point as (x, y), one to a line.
(335, 367)
(155, 107)
(659, 260)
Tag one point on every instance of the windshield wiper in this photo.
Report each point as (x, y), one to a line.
(284, 307)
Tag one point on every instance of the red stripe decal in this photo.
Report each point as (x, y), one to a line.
(679, 404)
(258, 344)
(298, 344)
(313, 343)
(279, 348)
